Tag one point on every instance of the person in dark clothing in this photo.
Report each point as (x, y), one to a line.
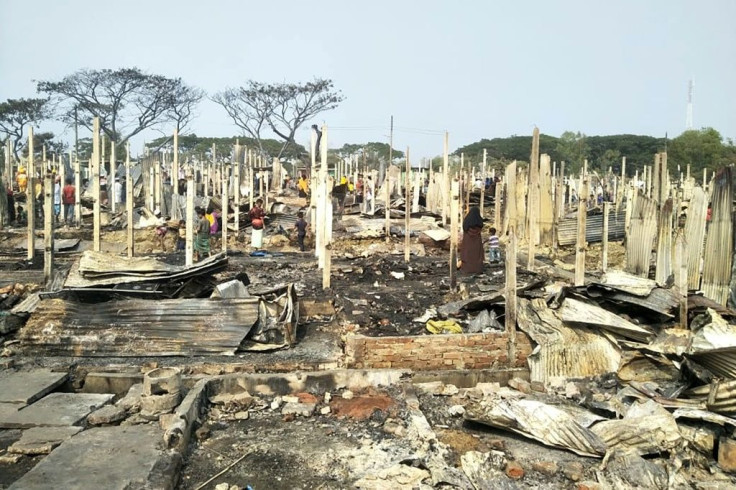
(301, 230)
(471, 247)
(11, 204)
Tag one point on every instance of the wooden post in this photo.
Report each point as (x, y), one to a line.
(327, 207)
(225, 195)
(407, 209)
(111, 198)
(533, 209)
(681, 266)
(157, 184)
(497, 207)
(236, 189)
(62, 183)
(604, 237)
(510, 314)
(190, 221)
(48, 229)
(387, 207)
(129, 203)
(445, 180)
(705, 179)
(77, 192)
(96, 182)
(31, 199)
(454, 230)
(483, 182)
(175, 164)
(580, 245)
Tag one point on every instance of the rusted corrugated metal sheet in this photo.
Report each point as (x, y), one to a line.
(719, 241)
(567, 230)
(641, 234)
(139, 328)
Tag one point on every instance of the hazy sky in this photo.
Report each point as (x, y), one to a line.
(477, 69)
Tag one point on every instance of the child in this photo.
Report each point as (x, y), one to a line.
(495, 251)
(202, 242)
(181, 239)
(257, 216)
(301, 229)
(161, 228)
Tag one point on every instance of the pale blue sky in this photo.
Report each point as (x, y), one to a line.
(478, 69)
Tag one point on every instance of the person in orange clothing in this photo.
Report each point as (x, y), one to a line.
(22, 179)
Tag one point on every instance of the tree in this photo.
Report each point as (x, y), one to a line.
(572, 148)
(375, 152)
(126, 100)
(700, 149)
(15, 114)
(281, 108)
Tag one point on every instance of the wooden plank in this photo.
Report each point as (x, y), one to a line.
(546, 206)
(640, 239)
(697, 212)
(581, 244)
(510, 293)
(719, 242)
(664, 243)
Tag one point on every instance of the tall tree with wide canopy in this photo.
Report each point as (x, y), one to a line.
(126, 100)
(16, 114)
(281, 108)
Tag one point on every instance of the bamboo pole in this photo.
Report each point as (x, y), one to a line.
(497, 207)
(111, 178)
(510, 290)
(483, 182)
(680, 266)
(604, 237)
(77, 192)
(407, 209)
(445, 179)
(580, 245)
(327, 206)
(225, 196)
(190, 221)
(129, 203)
(454, 230)
(175, 164)
(48, 229)
(31, 199)
(236, 189)
(387, 207)
(96, 182)
(533, 202)
(157, 184)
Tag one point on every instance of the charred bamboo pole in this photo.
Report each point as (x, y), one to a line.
(445, 179)
(680, 259)
(407, 209)
(580, 243)
(454, 231)
(604, 237)
(48, 229)
(510, 290)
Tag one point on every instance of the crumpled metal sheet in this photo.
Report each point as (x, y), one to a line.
(714, 344)
(540, 421)
(646, 428)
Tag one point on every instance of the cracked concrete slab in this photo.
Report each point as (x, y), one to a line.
(42, 440)
(28, 386)
(114, 458)
(56, 409)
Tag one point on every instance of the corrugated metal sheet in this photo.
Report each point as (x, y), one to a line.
(564, 351)
(139, 328)
(567, 229)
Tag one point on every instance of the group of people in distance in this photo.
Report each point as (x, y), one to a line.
(471, 246)
(63, 197)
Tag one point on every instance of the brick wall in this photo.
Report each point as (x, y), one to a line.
(429, 352)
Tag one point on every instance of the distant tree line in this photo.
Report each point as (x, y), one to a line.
(703, 148)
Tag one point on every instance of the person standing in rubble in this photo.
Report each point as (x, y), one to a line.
(68, 198)
(301, 230)
(257, 216)
(57, 198)
(202, 241)
(303, 187)
(22, 179)
(471, 247)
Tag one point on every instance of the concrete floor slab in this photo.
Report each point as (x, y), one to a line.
(42, 440)
(28, 386)
(56, 409)
(112, 458)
